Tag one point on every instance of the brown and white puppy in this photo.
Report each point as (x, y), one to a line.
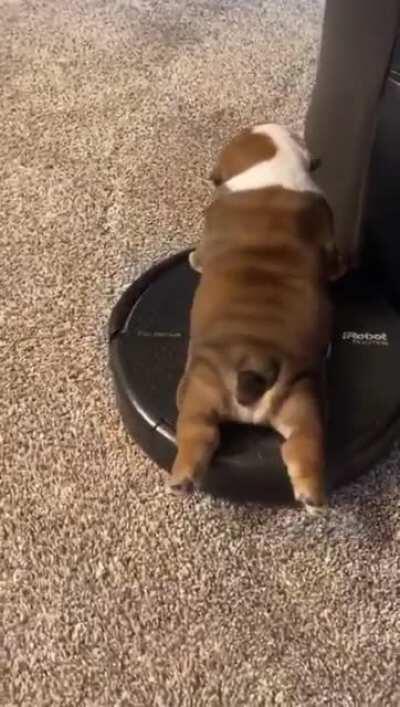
(261, 316)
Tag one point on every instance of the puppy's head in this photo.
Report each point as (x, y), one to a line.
(264, 155)
(271, 156)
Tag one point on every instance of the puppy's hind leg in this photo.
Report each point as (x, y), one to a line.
(197, 434)
(299, 421)
(181, 389)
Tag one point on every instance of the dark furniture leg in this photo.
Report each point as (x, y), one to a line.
(357, 42)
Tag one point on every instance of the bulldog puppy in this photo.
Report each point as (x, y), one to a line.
(261, 316)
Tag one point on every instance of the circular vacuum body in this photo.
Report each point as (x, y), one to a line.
(148, 333)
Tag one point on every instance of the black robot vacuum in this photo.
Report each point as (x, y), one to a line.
(358, 87)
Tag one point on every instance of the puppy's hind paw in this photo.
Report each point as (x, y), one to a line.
(313, 507)
(180, 483)
(180, 488)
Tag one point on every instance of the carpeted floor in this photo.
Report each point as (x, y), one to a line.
(112, 592)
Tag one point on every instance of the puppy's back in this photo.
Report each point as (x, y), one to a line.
(262, 278)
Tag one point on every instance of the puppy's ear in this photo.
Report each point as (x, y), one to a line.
(334, 262)
(318, 223)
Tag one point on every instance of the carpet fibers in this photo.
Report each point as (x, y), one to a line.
(112, 592)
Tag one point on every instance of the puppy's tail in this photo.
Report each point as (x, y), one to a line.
(251, 385)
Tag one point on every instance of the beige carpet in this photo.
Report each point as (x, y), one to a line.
(112, 592)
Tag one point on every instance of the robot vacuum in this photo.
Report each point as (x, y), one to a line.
(359, 148)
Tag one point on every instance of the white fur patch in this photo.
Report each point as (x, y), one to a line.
(194, 263)
(254, 414)
(288, 168)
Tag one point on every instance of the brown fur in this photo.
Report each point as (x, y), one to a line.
(242, 152)
(265, 258)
